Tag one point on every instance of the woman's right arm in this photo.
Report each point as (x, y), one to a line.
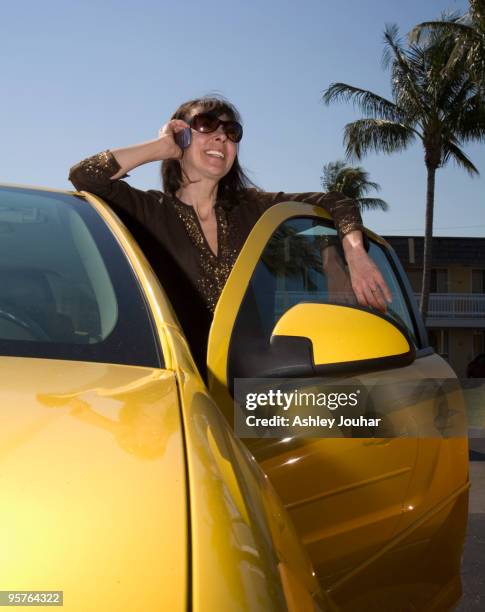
(100, 173)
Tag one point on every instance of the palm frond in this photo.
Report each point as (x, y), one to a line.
(367, 135)
(393, 48)
(466, 34)
(402, 66)
(372, 204)
(370, 103)
(449, 25)
(331, 174)
(366, 186)
(353, 181)
(477, 14)
(455, 96)
(417, 105)
(421, 33)
(467, 119)
(451, 150)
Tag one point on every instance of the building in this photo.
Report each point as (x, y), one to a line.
(456, 311)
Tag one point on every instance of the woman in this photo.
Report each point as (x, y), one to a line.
(193, 232)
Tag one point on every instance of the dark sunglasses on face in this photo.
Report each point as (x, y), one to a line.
(205, 123)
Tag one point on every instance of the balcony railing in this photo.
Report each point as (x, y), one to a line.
(440, 306)
(455, 305)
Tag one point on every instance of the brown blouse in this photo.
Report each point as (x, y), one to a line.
(170, 234)
(177, 227)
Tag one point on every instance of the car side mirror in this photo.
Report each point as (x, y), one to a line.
(312, 339)
(343, 338)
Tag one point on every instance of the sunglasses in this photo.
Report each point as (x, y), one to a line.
(205, 123)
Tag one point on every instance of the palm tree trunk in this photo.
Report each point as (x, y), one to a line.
(428, 242)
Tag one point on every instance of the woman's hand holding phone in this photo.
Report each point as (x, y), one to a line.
(158, 149)
(174, 137)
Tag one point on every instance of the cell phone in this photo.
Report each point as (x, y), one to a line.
(184, 138)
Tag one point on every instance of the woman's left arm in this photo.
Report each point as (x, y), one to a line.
(368, 284)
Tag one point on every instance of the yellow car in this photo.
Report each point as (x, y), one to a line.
(123, 484)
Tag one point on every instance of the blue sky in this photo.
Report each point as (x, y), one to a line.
(80, 77)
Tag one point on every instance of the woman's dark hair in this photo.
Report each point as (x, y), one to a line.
(231, 186)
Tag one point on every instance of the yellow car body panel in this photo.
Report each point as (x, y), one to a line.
(94, 497)
(242, 539)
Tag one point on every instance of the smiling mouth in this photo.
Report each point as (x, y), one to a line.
(218, 154)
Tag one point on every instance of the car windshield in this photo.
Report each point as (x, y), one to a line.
(66, 288)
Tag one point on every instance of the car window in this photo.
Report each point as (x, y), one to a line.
(66, 288)
(295, 267)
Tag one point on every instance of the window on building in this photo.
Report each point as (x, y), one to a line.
(416, 279)
(478, 281)
(439, 280)
(439, 340)
(478, 342)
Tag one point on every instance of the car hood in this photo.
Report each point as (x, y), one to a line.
(93, 484)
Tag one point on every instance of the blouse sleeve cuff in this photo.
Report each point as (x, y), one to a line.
(349, 226)
(97, 169)
(345, 213)
(107, 163)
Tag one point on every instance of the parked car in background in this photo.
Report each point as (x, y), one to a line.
(123, 484)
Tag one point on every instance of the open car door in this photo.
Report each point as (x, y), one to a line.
(348, 496)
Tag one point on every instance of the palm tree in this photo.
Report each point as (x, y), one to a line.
(468, 35)
(441, 113)
(353, 182)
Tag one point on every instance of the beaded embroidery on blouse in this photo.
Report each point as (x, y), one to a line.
(101, 166)
(214, 269)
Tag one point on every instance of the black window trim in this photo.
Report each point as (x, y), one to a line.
(400, 273)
